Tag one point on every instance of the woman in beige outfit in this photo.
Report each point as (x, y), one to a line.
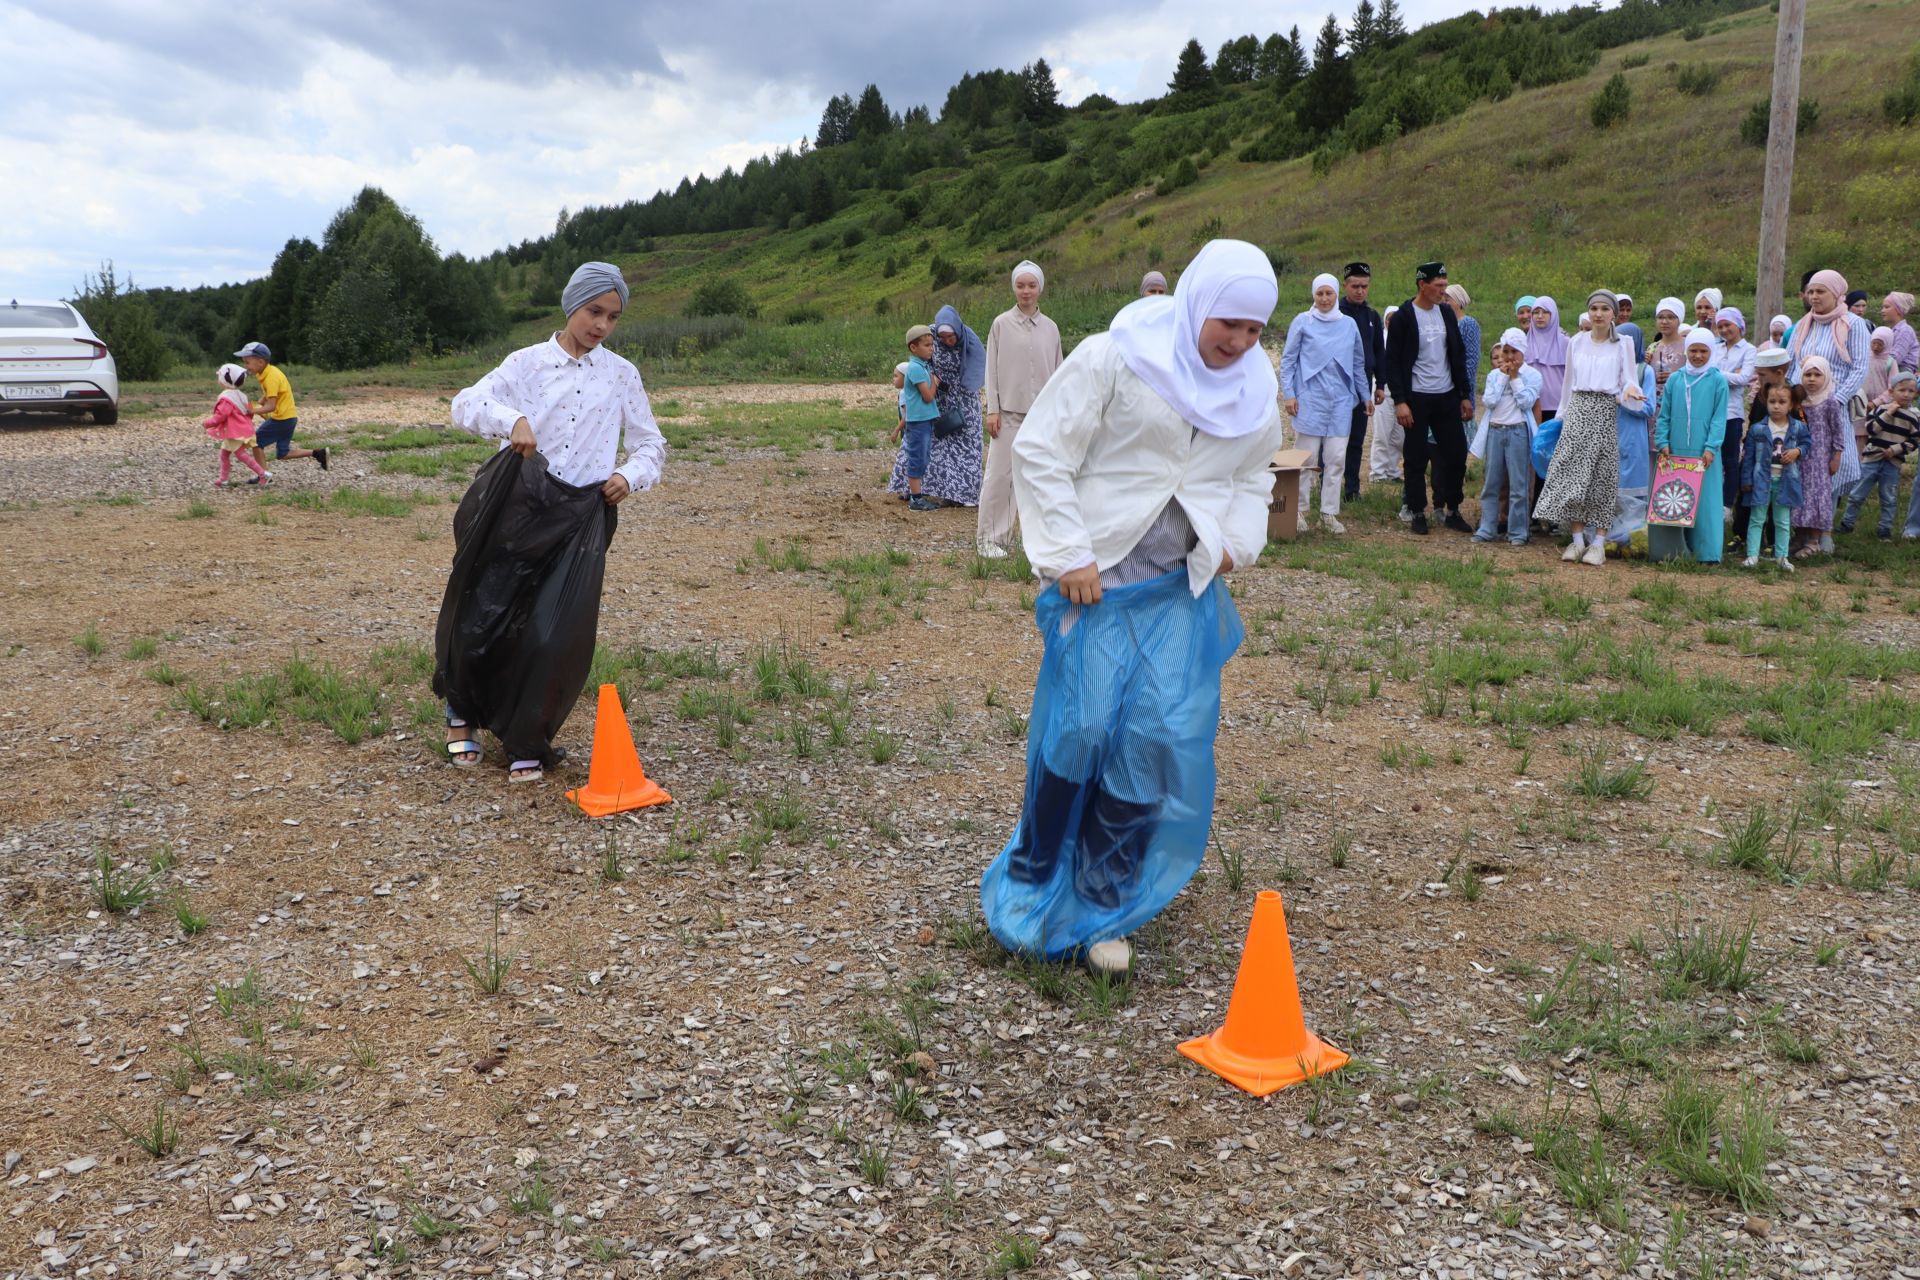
(1023, 350)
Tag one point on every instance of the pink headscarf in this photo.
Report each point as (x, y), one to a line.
(1838, 320)
(1902, 302)
(1882, 335)
(1826, 373)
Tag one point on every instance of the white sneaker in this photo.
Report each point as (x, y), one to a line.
(1331, 523)
(1574, 548)
(990, 552)
(1114, 956)
(1785, 564)
(1406, 514)
(1751, 562)
(1596, 553)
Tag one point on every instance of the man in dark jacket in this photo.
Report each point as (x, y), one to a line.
(1427, 373)
(1373, 334)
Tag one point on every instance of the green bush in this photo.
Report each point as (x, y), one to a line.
(1612, 104)
(941, 273)
(722, 298)
(1183, 175)
(1692, 31)
(1759, 121)
(1697, 79)
(852, 236)
(1634, 60)
(805, 315)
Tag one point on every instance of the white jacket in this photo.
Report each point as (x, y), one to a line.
(1100, 454)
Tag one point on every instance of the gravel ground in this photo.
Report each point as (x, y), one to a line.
(791, 1055)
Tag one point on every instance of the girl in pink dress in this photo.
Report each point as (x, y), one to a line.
(231, 426)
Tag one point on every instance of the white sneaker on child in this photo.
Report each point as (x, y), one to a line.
(1574, 548)
(1596, 553)
(1785, 564)
(1751, 562)
(1114, 956)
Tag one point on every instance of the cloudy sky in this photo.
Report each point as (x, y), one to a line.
(186, 141)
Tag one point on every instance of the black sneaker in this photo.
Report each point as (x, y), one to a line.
(320, 456)
(920, 502)
(1456, 523)
(1885, 535)
(1420, 522)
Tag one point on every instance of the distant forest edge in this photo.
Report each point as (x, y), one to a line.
(1004, 164)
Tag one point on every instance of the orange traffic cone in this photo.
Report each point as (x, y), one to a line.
(616, 781)
(1264, 1045)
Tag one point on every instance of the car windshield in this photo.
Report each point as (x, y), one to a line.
(19, 317)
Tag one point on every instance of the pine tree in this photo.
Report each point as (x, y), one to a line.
(1039, 96)
(836, 122)
(1296, 68)
(1191, 75)
(1389, 29)
(820, 197)
(1363, 36)
(1331, 89)
(871, 119)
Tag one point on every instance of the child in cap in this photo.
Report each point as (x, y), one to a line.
(917, 414)
(231, 426)
(276, 407)
(1893, 435)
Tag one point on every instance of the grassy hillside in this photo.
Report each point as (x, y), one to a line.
(1519, 196)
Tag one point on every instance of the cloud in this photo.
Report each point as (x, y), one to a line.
(188, 142)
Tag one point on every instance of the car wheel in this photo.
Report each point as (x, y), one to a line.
(106, 417)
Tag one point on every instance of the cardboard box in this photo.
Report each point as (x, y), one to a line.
(1283, 512)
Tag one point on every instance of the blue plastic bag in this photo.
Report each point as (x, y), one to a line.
(1120, 777)
(1546, 438)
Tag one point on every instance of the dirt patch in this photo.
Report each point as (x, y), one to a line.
(707, 1065)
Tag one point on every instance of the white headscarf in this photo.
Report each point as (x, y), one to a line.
(1515, 339)
(1159, 338)
(1029, 267)
(1674, 305)
(1333, 313)
(1712, 295)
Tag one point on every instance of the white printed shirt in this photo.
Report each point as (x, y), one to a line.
(579, 411)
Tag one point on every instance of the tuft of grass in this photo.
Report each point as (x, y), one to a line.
(1749, 847)
(429, 1228)
(90, 642)
(164, 675)
(611, 870)
(1016, 1253)
(192, 923)
(157, 1138)
(1708, 956)
(534, 1198)
(873, 1162)
(882, 746)
(1596, 781)
(1342, 847)
(1717, 1142)
(493, 964)
(908, 1103)
(118, 890)
(141, 648)
(198, 509)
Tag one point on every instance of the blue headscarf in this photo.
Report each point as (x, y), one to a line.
(973, 352)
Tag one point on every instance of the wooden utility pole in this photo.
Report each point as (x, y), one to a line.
(1781, 127)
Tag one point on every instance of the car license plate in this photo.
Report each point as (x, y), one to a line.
(30, 391)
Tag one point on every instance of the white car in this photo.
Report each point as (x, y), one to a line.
(51, 362)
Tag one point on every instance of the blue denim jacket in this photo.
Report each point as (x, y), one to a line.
(1757, 484)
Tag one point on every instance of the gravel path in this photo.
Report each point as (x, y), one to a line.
(780, 1048)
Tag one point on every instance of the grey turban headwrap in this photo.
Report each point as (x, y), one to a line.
(590, 280)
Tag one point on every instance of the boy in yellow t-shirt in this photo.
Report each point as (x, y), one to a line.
(276, 407)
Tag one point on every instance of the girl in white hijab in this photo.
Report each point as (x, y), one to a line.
(1141, 475)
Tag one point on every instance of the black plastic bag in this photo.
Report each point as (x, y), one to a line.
(515, 638)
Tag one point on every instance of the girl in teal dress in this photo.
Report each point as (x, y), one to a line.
(1692, 423)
